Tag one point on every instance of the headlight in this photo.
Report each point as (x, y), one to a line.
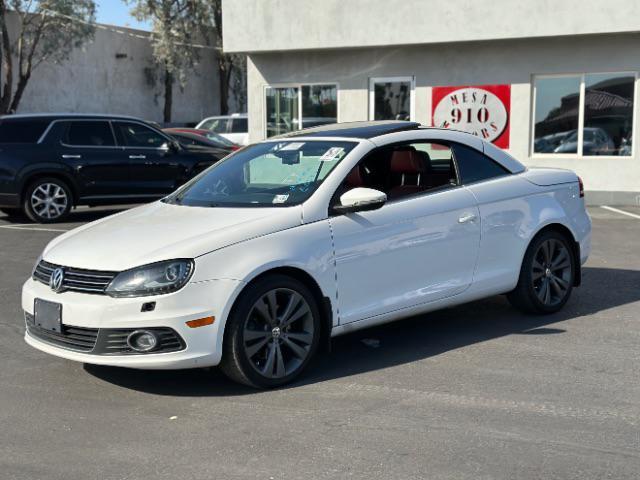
(155, 279)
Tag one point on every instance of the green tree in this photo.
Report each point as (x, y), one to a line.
(232, 68)
(177, 26)
(47, 31)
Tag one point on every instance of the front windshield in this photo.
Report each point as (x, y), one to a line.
(274, 174)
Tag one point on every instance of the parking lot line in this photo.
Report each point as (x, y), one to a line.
(622, 212)
(35, 229)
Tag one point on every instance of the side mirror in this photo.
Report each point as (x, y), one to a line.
(360, 200)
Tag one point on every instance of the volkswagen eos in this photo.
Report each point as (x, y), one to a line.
(257, 262)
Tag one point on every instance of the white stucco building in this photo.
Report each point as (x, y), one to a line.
(553, 82)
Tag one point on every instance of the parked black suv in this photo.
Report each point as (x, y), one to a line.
(51, 163)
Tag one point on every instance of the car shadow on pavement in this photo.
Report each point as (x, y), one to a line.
(404, 341)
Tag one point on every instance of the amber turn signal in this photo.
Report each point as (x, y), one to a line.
(201, 322)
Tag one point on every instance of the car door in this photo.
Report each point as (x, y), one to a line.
(155, 164)
(89, 148)
(421, 246)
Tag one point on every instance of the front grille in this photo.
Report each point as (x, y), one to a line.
(80, 339)
(103, 341)
(113, 341)
(75, 279)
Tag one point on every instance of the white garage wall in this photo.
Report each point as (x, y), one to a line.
(281, 25)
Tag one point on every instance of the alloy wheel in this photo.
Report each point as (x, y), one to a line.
(49, 201)
(551, 272)
(278, 333)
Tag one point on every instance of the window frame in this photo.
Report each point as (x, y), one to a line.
(76, 120)
(124, 146)
(39, 137)
(442, 188)
(221, 117)
(232, 122)
(459, 181)
(298, 87)
(581, 111)
(412, 94)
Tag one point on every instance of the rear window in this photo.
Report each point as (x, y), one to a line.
(217, 125)
(22, 131)
(89, 134)
(239, 125)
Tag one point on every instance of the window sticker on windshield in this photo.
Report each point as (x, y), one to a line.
(280, 198)
(332, 154)
(292, 146)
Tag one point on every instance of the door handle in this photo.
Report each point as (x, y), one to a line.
(137, 157)
(71, 156)
(467, 217)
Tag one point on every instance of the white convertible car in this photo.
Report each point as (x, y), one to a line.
(256, 263)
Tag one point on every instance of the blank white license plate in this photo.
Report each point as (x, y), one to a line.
(48, 315)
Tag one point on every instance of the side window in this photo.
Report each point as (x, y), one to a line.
(405, 170)
(217, 125)
(137, 135)
(239, 125)
(89, 134)
(474, 166)
(25, 131)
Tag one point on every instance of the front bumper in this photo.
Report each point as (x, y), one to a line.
(194, 301)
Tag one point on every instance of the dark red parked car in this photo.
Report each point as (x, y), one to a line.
(190, 135)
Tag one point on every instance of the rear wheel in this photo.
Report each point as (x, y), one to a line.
(47, 200)
(272, 333)
(546, 276)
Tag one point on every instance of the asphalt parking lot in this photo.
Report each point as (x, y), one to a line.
(478, 392)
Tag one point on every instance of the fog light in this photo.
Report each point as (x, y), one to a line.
(142, 340)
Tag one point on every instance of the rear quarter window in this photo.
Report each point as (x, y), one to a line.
(22, 131)
(474, 166)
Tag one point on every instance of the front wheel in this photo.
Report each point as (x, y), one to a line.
(272, 333)
(546, 276)
(47, 200)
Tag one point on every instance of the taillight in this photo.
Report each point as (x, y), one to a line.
(581, 187)
(235, 147)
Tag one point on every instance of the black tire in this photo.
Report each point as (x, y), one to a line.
(549, 260)
(57, 210)
(238, 361)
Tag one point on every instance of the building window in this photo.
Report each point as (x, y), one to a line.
(608, 114)
(291, 108)
(391, 98)
(584, 115)
(319, 105)
(282, 110)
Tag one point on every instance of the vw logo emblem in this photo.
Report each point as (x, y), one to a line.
(55, 282)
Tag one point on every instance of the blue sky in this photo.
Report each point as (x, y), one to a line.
(116, 12)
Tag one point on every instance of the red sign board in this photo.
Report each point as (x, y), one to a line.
(482, 110)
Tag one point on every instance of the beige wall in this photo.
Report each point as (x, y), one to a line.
(499, 62)
(280, 25)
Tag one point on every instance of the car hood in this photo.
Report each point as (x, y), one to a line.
(160, 231)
